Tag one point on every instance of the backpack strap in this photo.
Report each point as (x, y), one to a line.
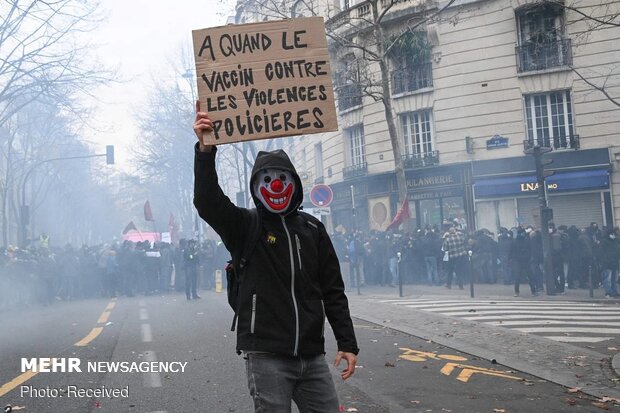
(252, 239)
(248, 248)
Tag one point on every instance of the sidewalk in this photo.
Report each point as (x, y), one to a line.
(481, 291)
(562, 363)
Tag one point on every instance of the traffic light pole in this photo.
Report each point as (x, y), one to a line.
(546, 215)
(25, 211)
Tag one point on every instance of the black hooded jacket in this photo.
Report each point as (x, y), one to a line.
(292, 280)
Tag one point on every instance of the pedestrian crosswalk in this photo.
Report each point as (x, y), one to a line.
(565, 321)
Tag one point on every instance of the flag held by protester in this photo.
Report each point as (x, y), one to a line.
(401, 216)
(130, 227)
(148, 214)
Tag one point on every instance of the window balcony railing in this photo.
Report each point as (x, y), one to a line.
(544, 55)
(354, 171)
(349, 96)
(319, 180)
(557, 142)
(420, 160)
(412, 78)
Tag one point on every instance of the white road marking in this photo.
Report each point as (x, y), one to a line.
(144, 315)
(569, 339)
(141, 302)
(499, 303)
(580, 320)
(145, 330)
(556, 322)
(512, 311)
(542, 316)
(569, 329)
(151, 379)
(512, 307)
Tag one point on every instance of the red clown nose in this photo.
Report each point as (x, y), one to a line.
(277, 186)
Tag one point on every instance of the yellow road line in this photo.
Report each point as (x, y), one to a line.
(16, 382)
(22, 378)
(90, 337)
(103, 317)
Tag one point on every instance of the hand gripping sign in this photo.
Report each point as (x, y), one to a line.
(265, 80)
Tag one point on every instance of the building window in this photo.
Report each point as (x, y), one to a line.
(318, 162)
(417, 131)
(541, 41)
(412, 78)
(550, 120)
(347, 82)
(356, 145)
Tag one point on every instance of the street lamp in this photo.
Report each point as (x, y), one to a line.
(24, 209)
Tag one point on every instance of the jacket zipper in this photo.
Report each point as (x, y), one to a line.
(298, 251)
(323, 321)
(292, 258)
(253, 321)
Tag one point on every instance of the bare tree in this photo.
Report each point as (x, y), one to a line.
(364, 43)
(45, 66)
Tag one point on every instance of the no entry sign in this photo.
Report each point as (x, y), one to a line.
(321, 195)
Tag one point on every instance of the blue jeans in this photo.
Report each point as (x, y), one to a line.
(431, 269)
(275, 380)
(610, 282)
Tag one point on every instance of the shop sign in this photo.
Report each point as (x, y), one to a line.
(525, 185)
(430, 181)
(533, 186)
(419, 196)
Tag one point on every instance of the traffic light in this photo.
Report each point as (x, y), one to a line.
(544, 162)
(109, 154)
(547, 215)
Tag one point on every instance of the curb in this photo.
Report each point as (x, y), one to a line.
(615, 363)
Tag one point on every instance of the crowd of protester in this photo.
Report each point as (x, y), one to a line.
(42, 275)
(437, 256)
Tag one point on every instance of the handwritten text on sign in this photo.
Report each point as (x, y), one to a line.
(265, 80)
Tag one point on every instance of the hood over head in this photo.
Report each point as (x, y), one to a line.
(277, 159)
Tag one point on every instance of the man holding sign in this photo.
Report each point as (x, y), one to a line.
(288, 286)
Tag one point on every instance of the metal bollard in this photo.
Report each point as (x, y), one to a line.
(400, 276)
(471, 274)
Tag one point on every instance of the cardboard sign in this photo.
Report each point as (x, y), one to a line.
(265, 80)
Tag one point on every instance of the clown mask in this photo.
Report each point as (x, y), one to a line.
(274, 188)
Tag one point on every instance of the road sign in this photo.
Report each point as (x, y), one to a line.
(321, 195)
(320, 211)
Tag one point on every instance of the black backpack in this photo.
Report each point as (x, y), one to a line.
(235, 266)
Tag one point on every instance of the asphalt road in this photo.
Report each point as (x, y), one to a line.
(397, 372)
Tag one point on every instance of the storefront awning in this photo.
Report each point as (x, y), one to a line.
(526, 184)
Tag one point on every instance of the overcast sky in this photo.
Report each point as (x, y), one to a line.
(141, 37)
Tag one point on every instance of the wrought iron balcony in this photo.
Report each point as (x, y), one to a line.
(420, 160)
(412, 78)
(544, 55)
(354, 171)
(349, 96)
(557, 142)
